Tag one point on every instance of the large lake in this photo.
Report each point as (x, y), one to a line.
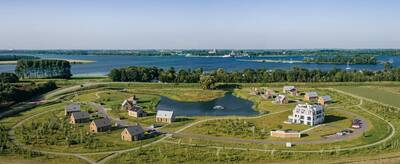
(104, 64)
(232, 106)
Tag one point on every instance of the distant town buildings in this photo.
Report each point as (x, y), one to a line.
(70, 108)
(307, 114)
(132, 133)
(213, 51)
(165, 116)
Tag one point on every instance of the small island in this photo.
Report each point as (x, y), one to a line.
(343, 59)
(13, 59)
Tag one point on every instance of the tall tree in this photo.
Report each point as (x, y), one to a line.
(207, 82)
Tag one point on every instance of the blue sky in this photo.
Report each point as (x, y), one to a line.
(240, 24)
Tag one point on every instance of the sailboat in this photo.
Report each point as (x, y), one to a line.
(348, 66)
(231, 55)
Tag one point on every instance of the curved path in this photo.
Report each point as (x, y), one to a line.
(393, 131)
(117, 152)
(259, 141)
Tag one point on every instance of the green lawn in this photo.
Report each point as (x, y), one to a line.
(387, 95)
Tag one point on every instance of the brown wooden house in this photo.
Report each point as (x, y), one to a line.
(137, 112)
(100, 125)
(309, 96)
(132, 133)
(324, 100)
(79, 117)
(71, 108)
(281, 99)
(292, 90)
(129, 103)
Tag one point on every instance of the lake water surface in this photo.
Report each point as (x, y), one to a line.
(232, 106)
(104, 63)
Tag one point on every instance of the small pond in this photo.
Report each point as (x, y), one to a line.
(232, 105)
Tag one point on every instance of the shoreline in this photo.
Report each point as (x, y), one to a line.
(71, 61)
(298, 61)
(272, 61)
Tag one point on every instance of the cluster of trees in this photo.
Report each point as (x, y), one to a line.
(142, 74)
(219, 52)
(149, 74)
(342, 59)
(11, 92)
(6, 146)
(16, 57)
(52, 131)
(6, 77)
(43, 69)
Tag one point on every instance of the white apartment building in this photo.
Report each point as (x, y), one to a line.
(307, 114)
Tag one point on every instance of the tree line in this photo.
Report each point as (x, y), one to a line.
(295, 74)
(151, 74)
(16, 57)
(342, 59)
(43, 69)
(7, 77)
(12, 92)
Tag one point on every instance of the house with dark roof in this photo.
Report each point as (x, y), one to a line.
(136, 111)
(79, 117)
(324, 100)
(70, 108)
(290, 89)
(310, 96)
(129, 103)
(281, 99)
(165, 116)
(100, 125)
(132, 133)
(268, 94)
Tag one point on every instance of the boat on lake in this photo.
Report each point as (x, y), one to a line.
(218, 107)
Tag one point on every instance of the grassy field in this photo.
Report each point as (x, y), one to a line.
(183, 94)
(387, 95)
(338, 116)
(260, 128)
(203, 150)
(49, 159)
